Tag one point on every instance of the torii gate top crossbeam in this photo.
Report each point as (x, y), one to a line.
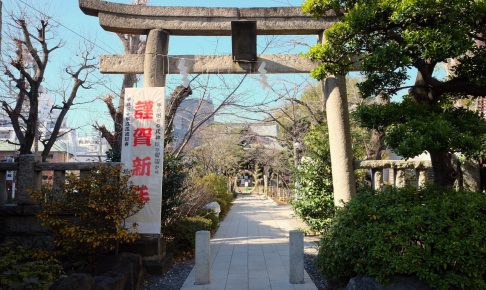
(139, 19)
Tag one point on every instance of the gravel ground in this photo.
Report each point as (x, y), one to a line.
(171, 280)
(310, 255)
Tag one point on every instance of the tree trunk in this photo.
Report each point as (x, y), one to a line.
(376, 147)
(176, 98)
(444, 170)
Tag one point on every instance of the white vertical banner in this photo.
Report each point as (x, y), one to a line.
(143, 152)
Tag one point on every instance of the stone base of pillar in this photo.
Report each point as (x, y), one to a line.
(149, 247)
(19, 224)
(159, 267)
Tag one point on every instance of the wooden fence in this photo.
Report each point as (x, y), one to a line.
(280, 194)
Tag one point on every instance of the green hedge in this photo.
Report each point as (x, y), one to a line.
(210, 215)
(438, 235)
(184, 231)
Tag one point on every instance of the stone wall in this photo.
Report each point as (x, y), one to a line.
(19, 224)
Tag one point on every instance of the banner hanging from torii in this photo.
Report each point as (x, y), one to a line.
(143, 152)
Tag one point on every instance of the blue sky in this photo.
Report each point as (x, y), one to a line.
(70, 16)
(77, 28)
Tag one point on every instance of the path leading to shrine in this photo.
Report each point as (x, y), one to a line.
(250, 249)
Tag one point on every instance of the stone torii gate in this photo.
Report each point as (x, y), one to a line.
(158, 22)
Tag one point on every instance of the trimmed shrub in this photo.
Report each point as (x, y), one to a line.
(436, 234)
(210, 215)
(217, 185)
(184, 231)
(21, 268)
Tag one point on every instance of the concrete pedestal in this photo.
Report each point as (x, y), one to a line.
(203, 258)
(296, 257)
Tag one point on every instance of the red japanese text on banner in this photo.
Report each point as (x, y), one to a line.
(142, 151)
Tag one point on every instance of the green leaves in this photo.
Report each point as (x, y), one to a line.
(411, 128)
(319, 7)
(314, 203)
(435, 234)
(387, 37)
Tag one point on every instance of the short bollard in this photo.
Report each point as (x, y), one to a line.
(203, 256)
(296, 256)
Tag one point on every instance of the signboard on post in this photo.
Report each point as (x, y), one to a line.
(143, 152)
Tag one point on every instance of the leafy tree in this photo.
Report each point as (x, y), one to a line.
(410, 127)
(219, 152)
(390, 38)
(314, 203)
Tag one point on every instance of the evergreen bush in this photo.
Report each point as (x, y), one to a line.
(210, 215)
(314, 202)
(434, 233)
(184, 231)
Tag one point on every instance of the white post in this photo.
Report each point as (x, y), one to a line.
(203, 256)
(296, 256)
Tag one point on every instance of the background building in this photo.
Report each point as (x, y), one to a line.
(192, 111)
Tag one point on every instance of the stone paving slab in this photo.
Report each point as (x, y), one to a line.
(250, 250)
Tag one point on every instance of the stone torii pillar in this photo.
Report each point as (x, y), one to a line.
(340, 143)
(155, 65)
(343, 181)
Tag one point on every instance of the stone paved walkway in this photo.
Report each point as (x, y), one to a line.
(250, 249)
